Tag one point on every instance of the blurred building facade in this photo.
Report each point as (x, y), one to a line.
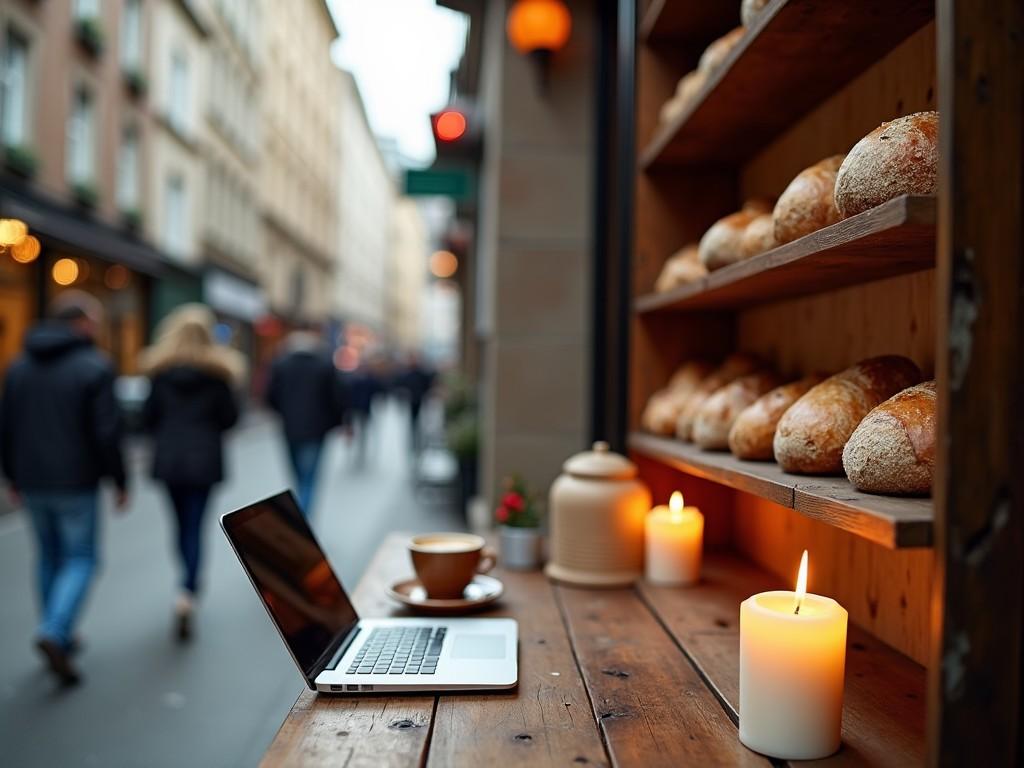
(406, 282)
(301, 93)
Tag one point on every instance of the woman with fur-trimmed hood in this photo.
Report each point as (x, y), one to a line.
(190, 406)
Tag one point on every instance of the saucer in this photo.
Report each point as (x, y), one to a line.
(480, 592)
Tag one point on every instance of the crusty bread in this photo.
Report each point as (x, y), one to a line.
(663, 407)
(808, 204)
(680, 268)
(893, 448)
(715, 418)
(722, 244)
(717, 52)
(750, 10)
(752, 433)
(671, 109)
(811, 434)
(897, 158)
(758, 237)
(689, 86)
(734, 366)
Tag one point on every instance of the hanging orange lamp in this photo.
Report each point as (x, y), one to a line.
(539, 25)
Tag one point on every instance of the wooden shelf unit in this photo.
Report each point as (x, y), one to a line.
(892, 521)
(895, 238)
(797, 53)
(671, 21)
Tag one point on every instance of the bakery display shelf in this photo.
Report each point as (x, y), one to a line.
(796, 54)
(884, 700)
(895, 522)
(892, 239)
(672, 21)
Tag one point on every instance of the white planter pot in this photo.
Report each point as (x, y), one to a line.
(520, 548)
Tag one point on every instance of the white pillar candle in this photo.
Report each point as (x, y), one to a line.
(792, 661)
(674, 536)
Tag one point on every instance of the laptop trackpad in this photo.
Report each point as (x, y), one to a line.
(478, 647)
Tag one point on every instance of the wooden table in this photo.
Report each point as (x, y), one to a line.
(629, 677)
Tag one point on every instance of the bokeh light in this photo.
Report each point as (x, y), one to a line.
(12, 231)
(450, 125)
(26, 251)
(65, 272)
(443, 264)
(116, 277)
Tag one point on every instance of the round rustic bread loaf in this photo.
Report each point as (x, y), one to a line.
(689, 86)
(680, 268)
(893, 448)
(734, 366)
(671, 109)
(900, 157)
(811, 434)
(758, 237)
(808, 204)
(722, 244)
(752, 433)
(663, 407)
(717, 52)
(750, 10)
(715, 418)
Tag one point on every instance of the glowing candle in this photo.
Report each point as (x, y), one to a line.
(792, 661)
(674, 536)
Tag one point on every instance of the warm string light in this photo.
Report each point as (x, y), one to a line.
(801, 583)
(675, 507)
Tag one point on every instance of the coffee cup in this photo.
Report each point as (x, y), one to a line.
(446, 562)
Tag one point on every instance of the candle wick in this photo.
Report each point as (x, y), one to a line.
(797, 609)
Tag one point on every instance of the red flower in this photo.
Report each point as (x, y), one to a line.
(513, 501)
(502, 514)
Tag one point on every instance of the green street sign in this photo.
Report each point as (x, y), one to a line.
(457, 183)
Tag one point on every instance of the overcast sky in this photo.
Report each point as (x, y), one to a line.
(401, 53)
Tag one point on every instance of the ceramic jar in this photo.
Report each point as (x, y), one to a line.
(596, 510)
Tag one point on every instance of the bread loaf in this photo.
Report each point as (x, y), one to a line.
(714, 420)
(808, 204)
(752, 433)
(734, 366)
(722, 244)
(715, 54)
(689, 86)
(680, 268)
(750, 10)
(758, 237)
(897, 158)
(811, 434)
(671, 109)
(893, 448)
(663, 407)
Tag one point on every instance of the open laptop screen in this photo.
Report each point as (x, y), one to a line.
(292, 576)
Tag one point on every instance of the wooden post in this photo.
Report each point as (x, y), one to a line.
(975, 706)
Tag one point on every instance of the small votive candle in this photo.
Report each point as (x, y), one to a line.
(792, 661)
(674, 536)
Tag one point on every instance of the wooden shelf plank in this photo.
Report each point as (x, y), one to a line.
(892, 239)
(894, 522)
(670, 21)
(884, 704)
(796, 54)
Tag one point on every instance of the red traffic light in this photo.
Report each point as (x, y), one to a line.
(450, 125)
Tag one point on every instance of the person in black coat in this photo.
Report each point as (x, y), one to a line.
(191, 405)
(60, 435)
(307, 392)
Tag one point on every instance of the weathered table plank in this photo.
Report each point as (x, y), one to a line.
(883, 712)
(548, 721)
(653, 707)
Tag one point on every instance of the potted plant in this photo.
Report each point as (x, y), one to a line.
(519, 530)
(136, 82)
(132, 219)
(89, 32)
(85, 194)
(20, 159)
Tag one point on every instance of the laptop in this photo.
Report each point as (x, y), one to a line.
(337, 651)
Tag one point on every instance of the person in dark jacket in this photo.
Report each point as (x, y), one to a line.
(190, 405)
(60, 435)
(416, 380)
(307, 391)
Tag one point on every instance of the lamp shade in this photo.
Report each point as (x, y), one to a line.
(538, 25)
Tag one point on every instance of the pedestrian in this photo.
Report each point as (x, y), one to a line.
(364, 388)
(416, 380)
(191, 405)
(306, 390)
(60, 435)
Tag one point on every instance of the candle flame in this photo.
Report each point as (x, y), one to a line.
(675, 507)
(801, 583)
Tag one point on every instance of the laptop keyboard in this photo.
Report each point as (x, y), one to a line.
(399, 651)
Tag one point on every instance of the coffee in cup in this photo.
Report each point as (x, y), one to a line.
(446, 562)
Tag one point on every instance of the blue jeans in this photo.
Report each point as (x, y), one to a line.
(305, 461)
(189, 507)
(65, 524)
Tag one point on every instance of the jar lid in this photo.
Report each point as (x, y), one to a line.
(600, 462)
